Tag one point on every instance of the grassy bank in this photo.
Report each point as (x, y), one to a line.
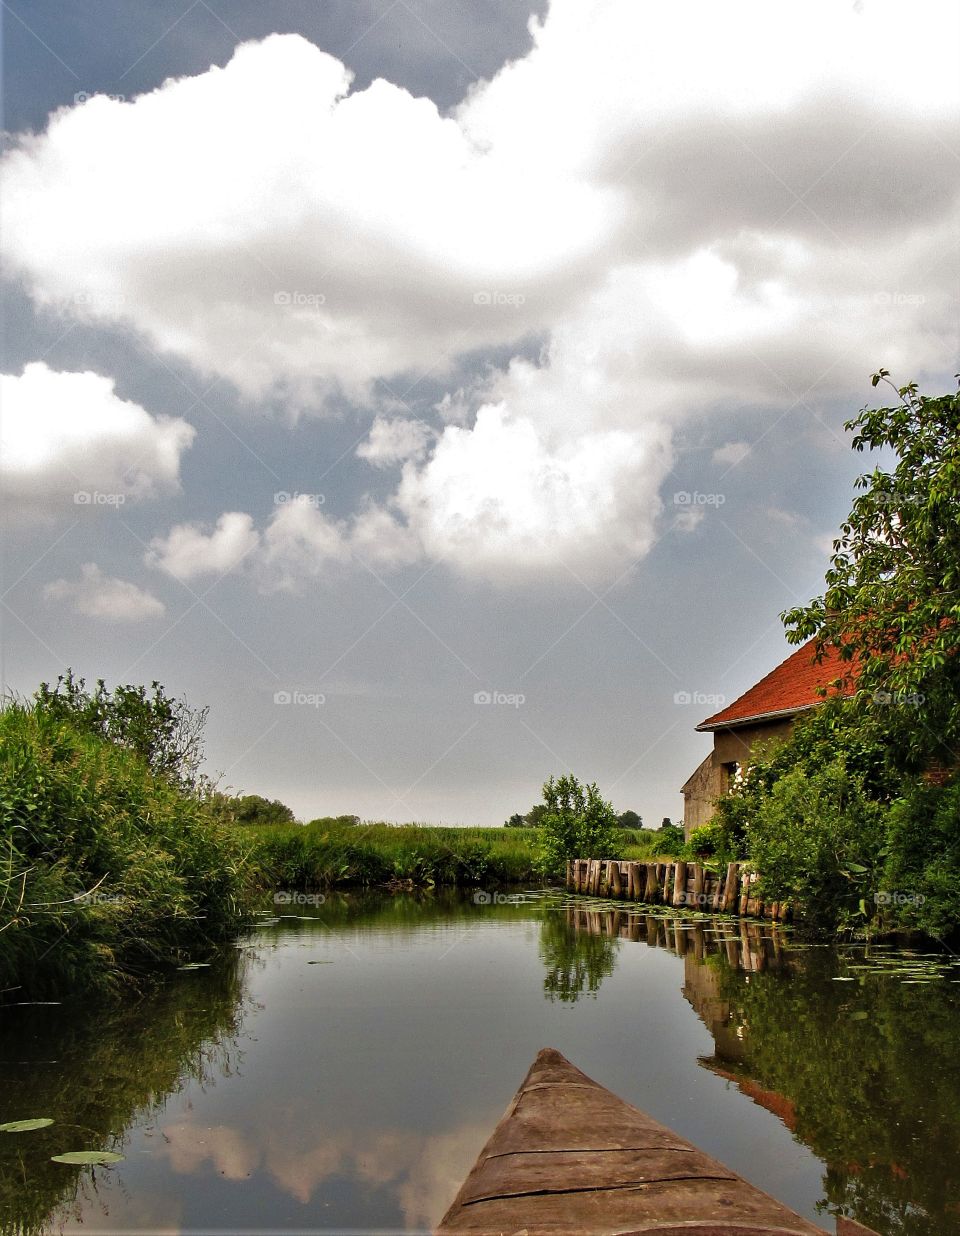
(324, 854)
(328, 853)
(109, 871)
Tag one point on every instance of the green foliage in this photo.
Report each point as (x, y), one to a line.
(325, 854)
(920, 887)
(707, 841)
(577, 823)
(165, 732)
(669, 838)
(533, 819)
(817, 841)
(892, 599)
(109, 869)
(630, 820)
(249, 809)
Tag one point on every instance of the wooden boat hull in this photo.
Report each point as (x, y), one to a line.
(570, 1156)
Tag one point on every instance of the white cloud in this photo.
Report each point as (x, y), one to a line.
(189, 551)
(506, 500)
(394, 440)
(95, 595)
(66, 434)
(719, 228)
(731, 453)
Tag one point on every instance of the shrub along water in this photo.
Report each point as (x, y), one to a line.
(109, 870)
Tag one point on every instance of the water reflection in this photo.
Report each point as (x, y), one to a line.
(95, 1070)
(343, 1068)
(854, 1052)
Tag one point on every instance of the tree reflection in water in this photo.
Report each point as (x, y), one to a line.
(855, 1049)
(73, 1063)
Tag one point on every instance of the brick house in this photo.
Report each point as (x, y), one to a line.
(766, 711)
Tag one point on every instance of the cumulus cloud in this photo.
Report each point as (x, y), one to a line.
(95, 595)
(189, 551)
(738, 228)
(392, 441)
(66, 434)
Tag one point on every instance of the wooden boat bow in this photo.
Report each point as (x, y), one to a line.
(568, 1156)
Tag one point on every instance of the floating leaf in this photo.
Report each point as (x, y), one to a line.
(25, 1126)
(195, 965)
(84, 1157)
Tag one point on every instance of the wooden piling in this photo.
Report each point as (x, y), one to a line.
(679, 883)
(698, 901)
(616, 880)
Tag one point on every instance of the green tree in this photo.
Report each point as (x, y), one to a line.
(516, 821)
(253, 809)
(577, 823)
(630, 819)
(166, 732)
(891, 606)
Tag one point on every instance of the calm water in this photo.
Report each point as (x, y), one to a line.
(341, 1070)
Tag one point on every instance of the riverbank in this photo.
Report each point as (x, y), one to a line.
(110, 873)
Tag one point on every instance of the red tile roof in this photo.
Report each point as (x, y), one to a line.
(790, 688)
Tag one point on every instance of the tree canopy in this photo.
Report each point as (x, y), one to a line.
(891, 606)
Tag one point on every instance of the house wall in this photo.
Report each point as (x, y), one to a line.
(731, 746)
(700, 792)
(712, 777)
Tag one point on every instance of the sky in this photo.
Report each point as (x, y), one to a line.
(452, 394)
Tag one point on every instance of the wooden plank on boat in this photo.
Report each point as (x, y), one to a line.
(569, 1156)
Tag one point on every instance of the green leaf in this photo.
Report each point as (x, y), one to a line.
(25, 1126)
(83, 1158)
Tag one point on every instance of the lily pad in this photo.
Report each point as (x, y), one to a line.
(84, 1157)
(25, 1126)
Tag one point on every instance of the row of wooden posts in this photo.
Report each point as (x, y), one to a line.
(680, 884)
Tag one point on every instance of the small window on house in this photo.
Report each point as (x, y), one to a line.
(731, 775)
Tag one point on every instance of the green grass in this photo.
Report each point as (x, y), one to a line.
(109, 873)
(323, 854)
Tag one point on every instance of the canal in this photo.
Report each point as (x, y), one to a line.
(341, 1066)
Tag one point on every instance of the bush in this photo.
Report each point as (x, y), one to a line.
(921, 878)
(669, 839)
(577, 823)
(110, 870)
(707, 841)
(817, 841)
